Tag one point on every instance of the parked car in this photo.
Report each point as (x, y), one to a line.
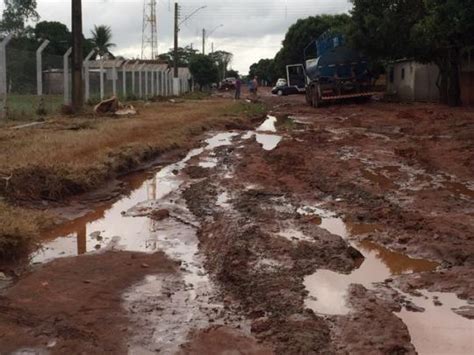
(284, 90)
(228, 84)
(281, 82)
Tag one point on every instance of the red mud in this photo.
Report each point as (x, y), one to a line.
(401, 176)
(73, 305)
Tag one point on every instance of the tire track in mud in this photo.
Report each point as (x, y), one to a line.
(250, 252)
(231, 215)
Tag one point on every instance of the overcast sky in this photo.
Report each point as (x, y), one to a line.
(253, 29)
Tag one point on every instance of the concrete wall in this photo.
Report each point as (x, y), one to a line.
(53, 82)
(426, 77)
(411, 81)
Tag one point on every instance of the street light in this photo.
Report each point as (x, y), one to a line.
(177, 24)
(205, 36)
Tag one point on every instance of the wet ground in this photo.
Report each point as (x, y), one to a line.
(341, 230)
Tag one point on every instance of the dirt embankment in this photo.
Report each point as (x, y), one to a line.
(44, 165)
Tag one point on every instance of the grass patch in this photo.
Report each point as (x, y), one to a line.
(71, 155)
(285, 123)
(25, 107)
(19, 230)
(196, 95)
(245, 109)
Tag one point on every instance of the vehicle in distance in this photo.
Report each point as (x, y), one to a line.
(284, 90)
(228, 84)
(281, 82)
(337, 73)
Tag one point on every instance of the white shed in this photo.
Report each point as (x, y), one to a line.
(413, 81)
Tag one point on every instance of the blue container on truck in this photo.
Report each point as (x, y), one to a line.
(339, 72)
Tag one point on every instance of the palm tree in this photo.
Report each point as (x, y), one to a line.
(101, 37)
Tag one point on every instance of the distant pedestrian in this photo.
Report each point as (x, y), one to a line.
(251, 87)
(255, 85)
(238, 88)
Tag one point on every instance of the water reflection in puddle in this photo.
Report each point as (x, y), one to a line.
(329, 289)
(130, 233)
(268, 125)
(268, 141)
(437, 330)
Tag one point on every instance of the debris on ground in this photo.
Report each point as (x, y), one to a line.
(114, 106)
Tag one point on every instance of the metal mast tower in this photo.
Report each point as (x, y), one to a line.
(149, 30)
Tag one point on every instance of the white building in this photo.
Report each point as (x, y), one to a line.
(409, 80)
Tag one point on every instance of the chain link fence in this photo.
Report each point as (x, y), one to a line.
(34, 82)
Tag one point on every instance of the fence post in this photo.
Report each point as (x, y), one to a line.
(152, 73)
(114, 78)
(166, 82)
(3, 75)
(140, 82)
(101, 70)
(134, 69)
(170, 83)
(158, 78)
(39, 67)
(124, 79)
(87, 75)
(66, 75)
(146, 81)
(162, 83)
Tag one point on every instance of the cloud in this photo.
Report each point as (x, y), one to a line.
(252, 30)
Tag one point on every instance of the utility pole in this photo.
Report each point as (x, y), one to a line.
(203, 41)
(176, 30)
(77, 83)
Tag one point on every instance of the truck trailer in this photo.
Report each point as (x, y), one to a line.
(338, 73)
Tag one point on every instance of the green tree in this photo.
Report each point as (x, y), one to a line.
(16, 14)
(204, 70)
(222, 60)
(184, 56)
(231, 73)
(102, 37)
(57, 33)
(426, 30)
(264, 69)
(301, 33)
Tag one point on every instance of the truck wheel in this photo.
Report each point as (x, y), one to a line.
(315, 99)
(308, 95)
(280, 93)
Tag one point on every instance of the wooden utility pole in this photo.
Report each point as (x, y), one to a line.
(77, 56)
(203, 41)
(176, 30)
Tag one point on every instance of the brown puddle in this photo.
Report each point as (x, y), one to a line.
(437, 330)
(108, 226)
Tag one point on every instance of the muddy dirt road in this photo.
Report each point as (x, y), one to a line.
(346, 229)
